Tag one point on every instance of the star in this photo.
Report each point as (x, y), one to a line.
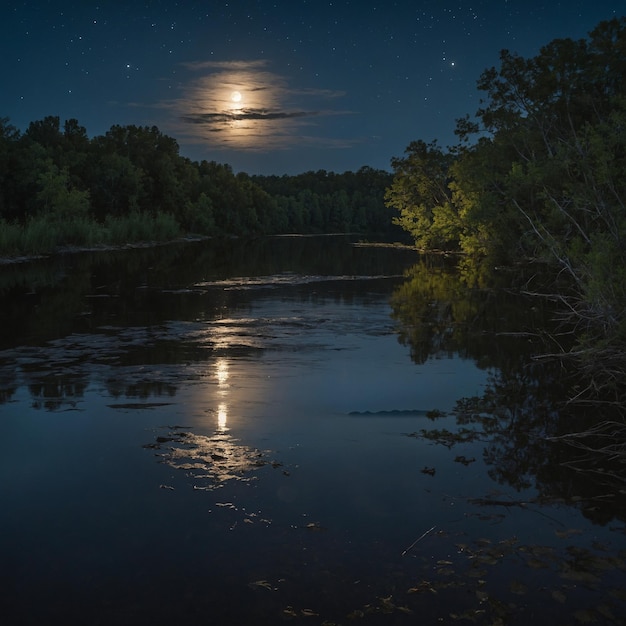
(365, 56)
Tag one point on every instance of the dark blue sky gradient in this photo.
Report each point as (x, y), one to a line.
(272, 87)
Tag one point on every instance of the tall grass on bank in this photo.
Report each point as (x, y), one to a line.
(45, 234)
(137, 226)
(10, 238)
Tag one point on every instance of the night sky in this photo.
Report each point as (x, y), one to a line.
(272, 87)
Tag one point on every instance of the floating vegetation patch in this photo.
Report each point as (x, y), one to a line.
(210, 460)
(451, 577)
(447, 437)
(461, 458)
(485, 581)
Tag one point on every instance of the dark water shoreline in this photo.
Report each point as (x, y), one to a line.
(70, 250)
(142, 245)
(260, 432)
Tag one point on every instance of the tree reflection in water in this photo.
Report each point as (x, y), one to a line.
(483, 315)
(169, 332)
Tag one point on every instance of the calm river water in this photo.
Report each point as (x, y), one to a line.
(298, 430)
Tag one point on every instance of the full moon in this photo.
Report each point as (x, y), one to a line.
(235, 96)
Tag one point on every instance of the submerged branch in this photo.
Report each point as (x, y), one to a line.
(430, 530)
(603, 448)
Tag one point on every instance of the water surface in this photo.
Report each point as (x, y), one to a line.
(238, 433)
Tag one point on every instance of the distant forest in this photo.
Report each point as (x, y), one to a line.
(58, 187)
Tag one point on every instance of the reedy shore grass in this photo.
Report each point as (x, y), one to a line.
(45, 234)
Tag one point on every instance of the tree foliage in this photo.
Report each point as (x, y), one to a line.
(133, 180)
(546, 178)
(422, 195)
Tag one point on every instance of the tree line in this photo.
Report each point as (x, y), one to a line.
(58, 186)
(538, 173)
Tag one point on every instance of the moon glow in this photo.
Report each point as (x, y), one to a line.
(242, 106)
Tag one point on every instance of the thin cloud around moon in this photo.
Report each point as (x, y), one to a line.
(242, 105)
(243, 114)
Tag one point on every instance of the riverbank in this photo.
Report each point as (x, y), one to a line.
(6, 259)
(67, 249)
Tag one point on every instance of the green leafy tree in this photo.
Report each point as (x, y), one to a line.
(156, 156)
(198, 216)
(420, 192)
(488, 226)
(47, 133)
(9, 136)
(116, 184)
(554, 163)
(58, 198)
(545, 180)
